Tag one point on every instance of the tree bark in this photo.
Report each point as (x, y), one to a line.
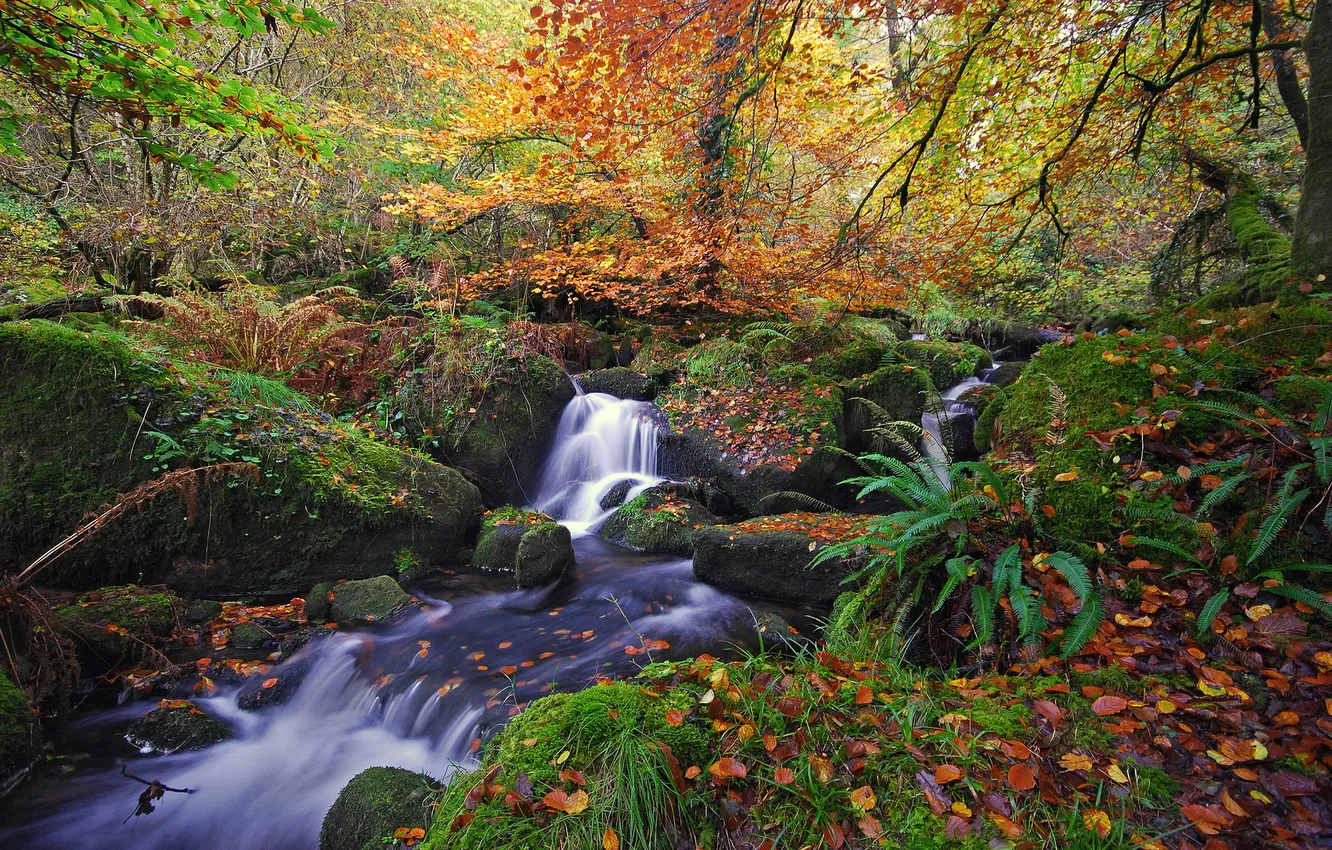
(1311, 250)
(1287, 80)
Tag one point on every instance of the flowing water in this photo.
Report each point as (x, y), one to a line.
(421, 694)
(934, 445)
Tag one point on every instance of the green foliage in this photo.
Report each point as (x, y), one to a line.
(130, 63)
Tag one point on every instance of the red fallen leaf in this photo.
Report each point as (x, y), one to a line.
(957, 829)
(939, 801)
(833, 836)
(858, 748)
(1021, 778)
(575, 776)
(674, 717)
(1015, 750)
(784, 776)
(864, 695)
(1109, 705)
(1288, 784)
(1006, 826)
(1206, 816)
(728, 768)
(871, 827)
(1048, 710)
(945, 773)
(673, 764)
(268, 683)
(474, 796)
(461, 821)
(517, 803)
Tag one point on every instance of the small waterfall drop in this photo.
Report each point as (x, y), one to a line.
(602, 443)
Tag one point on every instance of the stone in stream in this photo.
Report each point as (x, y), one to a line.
(750, 558)
(619, 382)
(894, 393)
(248, 636)
(176, 726)
(275, 687)
(531, 545)
(20, 734)
(201, 612)
(371, 600)
(615, 496)
(660, 520)
(116, 624)
(375, 803)
(317, 603)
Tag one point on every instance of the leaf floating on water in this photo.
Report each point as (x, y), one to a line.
(268, 683)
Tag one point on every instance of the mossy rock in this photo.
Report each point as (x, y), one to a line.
(545, 553)
(371, 600)
(503, 446)
(771, 564)
(19, 733)
(860, 357)
(896, 393)
(375, 803)
(174, 727)
(619, 382)
(317, 603)
(329, 501)
(660, 520)
(531, 545)
(249, 636)
(201, 612)
(116, 624)
(946, 362)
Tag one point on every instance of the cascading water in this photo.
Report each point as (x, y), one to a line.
(420, 694)
(933, 445)
(602, 443)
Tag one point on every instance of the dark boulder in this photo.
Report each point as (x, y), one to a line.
(176, 726)
(248, 636)
(660, 520)
(202, 612)
(117, 624)
(20, 734)
(619, 382)
(616, 495)
(375, 803)
(531, 545)
(274, 687)
(743, 558)
(890, 394)
(1007, 373)
(371, 600)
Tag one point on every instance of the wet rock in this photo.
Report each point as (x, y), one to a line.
(660, 520)
(1008, 340)
(115, 624)
(317, 603)
(1007, 373)
(174, 727)
(772, 564)
(544, 554)
(775, 633)
(946, 362)
(621, 383)
(531, 545)
(375, 803)
(893, 393)
(248, 636)
(297, 640)
(274, 687)
(201, 612)
(615, 496)
(367, 600)
(692, 455)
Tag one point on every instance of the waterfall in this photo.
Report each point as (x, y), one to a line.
(932, 445)
(602, 443)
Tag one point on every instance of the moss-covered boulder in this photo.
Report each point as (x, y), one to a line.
(376, 802)
(116, 624)
(249, 636)
(19, 733)
(531, 545)
(318, 603)
(370, 600)
(79, 411)
(894, 393)
(619, 382)
(502, 445)
(660, 520)
(859, 357)
(176, 725)
(201, 612)
(946, 362)
(770, 557)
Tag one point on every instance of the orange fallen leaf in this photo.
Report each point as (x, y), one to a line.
(609, 840)
(1021, 778)
(784, 776)
(674, 717)
(268, 683)
(945, 773)
(1109, 705)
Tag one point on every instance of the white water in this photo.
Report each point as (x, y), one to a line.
(933, 446)
(601, 441)
(372, 698)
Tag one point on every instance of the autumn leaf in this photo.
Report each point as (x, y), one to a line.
(1021, 778)
(783, 776)
(609, 840)
(1109, 705)
(1075, 761)
(864, 695)
(268, 683)
(674, 717)
(1071, 475)
(727, 768)
(945, 773)
(863, 798)
(1097, 821)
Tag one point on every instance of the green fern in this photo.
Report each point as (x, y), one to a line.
(982, 614)
(803, 499)
(1309, 597)
(1083, 628)
(1283, 507)
(1167, 546)
(1075, 573)
(1210, 610)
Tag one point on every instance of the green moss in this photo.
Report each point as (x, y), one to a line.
(720, 363)
(989, 413)
(1155, 786)
(375, 803)
(120, 622)
(657, 520)
(947, 362)
(860, 357)
(1006, 721)
(18, 729)
(915, 827)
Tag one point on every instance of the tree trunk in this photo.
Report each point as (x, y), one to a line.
(1287, 79)
(1311, 251)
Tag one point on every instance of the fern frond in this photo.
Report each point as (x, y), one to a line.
(1224, 491)
(1323, 412)
(1210, 610)
(959, 570)
(982, 614)
(803, 499)
(1074, 572)
(1314, 600)
(1082, 628)
(1167, 546)
(1286, 503)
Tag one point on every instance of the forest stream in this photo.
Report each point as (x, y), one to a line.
(422, 694)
